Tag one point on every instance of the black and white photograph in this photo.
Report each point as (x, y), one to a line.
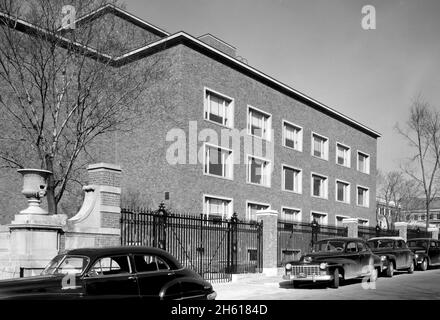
(236, 152)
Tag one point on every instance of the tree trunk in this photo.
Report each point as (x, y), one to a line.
(51, 204)
(427, 214)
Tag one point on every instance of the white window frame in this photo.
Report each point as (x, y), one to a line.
(231, 200)
(206, 161)
(325, 185)
(224, 97)
(283, 182)
(367, 197)
(326, 144)
(299, 215)
(248, 172)
(268, 129)
(321, 213)
(348, 200)
(368, 161)
(367, 224)
(300, 135)
(348, 165)
(257, 203)
(340, 216)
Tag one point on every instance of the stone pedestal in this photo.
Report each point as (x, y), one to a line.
(270, 241)
(352, 226)
(434, 233)
(402, 227)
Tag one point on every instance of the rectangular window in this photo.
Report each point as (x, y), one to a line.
(319, 146)
(259, 171)
(292, 136)
(292, 179)
(259, 123)
(218, 161)
(252, 208)
(290, 215)
(363, 222)
(342, 155)
(362, 197)
(219, 108)
(217, 207)
(363, 162)
(319, 186)
(339, 220)
(342, 191)
(320, 217)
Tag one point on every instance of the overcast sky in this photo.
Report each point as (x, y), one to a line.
(319, 48)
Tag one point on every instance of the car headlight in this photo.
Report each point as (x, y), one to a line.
(323, 265)
(288, 266)
(416, 256)
(383, 258)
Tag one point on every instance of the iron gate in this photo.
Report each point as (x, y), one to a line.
(213, 247)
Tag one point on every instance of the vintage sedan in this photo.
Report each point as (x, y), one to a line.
(394, 253)
(133, 273)
(333, 260)
(427, 252)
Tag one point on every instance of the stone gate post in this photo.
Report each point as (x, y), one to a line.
(270, 241)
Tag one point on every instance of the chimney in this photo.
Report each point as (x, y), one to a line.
(218, 44)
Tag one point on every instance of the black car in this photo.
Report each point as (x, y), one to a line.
(333, 260)
(394, 253)
(427, 252)
(111, 273)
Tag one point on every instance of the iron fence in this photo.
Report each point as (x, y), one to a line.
(297, 238)
(213, 247)
(367, 232)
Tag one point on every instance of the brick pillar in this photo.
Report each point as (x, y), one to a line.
(434, 233)
(402, 227)
(352, 225)
(270, 241)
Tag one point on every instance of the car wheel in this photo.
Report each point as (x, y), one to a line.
(335, 282)
(424, 265)
(411, 268)
(390, 270)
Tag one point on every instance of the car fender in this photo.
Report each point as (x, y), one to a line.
(163, 293)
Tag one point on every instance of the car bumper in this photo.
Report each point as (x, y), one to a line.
(211, 296)
(313, 278)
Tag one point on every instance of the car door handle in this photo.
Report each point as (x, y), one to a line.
(170, 274)
(132, 278)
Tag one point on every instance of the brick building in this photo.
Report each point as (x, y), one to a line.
(305, 159)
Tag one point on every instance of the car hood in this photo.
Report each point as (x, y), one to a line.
(30, 285)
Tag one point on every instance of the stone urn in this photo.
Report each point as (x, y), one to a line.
(34, 188)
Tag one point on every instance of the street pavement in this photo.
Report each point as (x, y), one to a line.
(419, 285)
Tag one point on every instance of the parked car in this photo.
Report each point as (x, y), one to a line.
(333, 260)
(394, 254)
(427, 252)
(111, 273)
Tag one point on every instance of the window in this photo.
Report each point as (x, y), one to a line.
(362, 197)
(219, 108)
(290, 215)
(319, 186)
(252, 208)
(363, 163)
(342, 155)
(217, 207)
(259, 171)
(363, 222)
(292, 179)
(292, 136)
(259, 123)
(218, 161)
(320, 217)
(319, 146)
(342, 191)
(339, 220)
(110, 266)
(149, 263)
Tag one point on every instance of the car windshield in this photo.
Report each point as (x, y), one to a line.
(381, 243)
(64, 264)
(417, 243)
(329, 245)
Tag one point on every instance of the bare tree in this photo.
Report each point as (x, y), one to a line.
(422, 132)
(61, 88)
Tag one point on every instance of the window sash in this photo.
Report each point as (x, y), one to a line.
(258, 171)
(217, 207)
(218, 162)
(292, 136)
(290, 215)
(258, 123)
(291, 179)
(362, 197)
(318, 186)
(319, 144)
(217, 109)
(342, 155)
(342, 191)
(252, 209)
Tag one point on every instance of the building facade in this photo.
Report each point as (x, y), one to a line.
(237, 140)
